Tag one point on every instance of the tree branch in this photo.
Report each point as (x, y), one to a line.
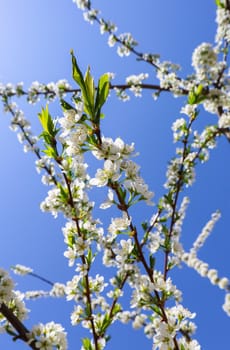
(23, 332)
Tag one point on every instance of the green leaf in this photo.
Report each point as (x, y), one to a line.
(152, 261)
(220, 4)
(156, 309)
(87, 344)
(192, 98)
(199, 89)
(103, 324)
(71, 241)
(76, 72)
(65, 105)
(197, 95)
(63, 193)
(43, 117)
(50, 152)
(116, 309)
(101, 97)
(122, 192)
(90, 88)
(88, 310)
(167, 243)
(169, 198)
(85, 85)
(89, 257)
(102, 91)
(144, 225)
(88, 94)
(47, 122)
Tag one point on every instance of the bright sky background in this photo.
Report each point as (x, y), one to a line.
(36, 37)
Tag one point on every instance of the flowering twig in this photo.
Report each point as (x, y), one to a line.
(23, 332)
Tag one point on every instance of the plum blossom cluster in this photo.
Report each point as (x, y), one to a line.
(107, 26)
(75, 290)
(6, 286)
(21, 269)
(226, 305)
(22, 126)
(47, 336)
(135, 81)
(126, 41)
(195, 147)
(155, 301)
(77, 246)
(205, 233)
(169, 80)
(164, 328)
(191, 259)
(50, 91)
(122, 176)
(223, 25)
(118, 168)
(13, 300)
(70, 194)
(58, 90)
(202, 268)
(113, 150)
(204, 61)
(178, 320)
(121, 94)
(82, 4)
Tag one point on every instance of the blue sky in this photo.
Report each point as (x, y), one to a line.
(35, 44)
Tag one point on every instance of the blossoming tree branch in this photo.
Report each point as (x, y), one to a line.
(140, 255)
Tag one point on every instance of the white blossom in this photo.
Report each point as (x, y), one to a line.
(90, 15)
(58, 290)
(107, 26)
(226, 306)
(48, 335)
(119, 224)
(127, 43)
(135, 82)
(21, 270)
(224, 121)
(205, 233)
(82, 4)
(109, 173)
(6, 287)
(223, 21)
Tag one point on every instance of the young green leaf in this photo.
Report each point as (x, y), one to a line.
(65, 105)
(90, 88)
(220, 4)
(50, 152)
(76, 72)
(152, 261)
(64, 195)
(87, 344)
(102, 91)
(47, 122)
(192, 98)
(197, 95)
(102, 94)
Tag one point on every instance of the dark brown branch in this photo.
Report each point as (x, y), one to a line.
(23, 332)
(146, 87)
(123, 87)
